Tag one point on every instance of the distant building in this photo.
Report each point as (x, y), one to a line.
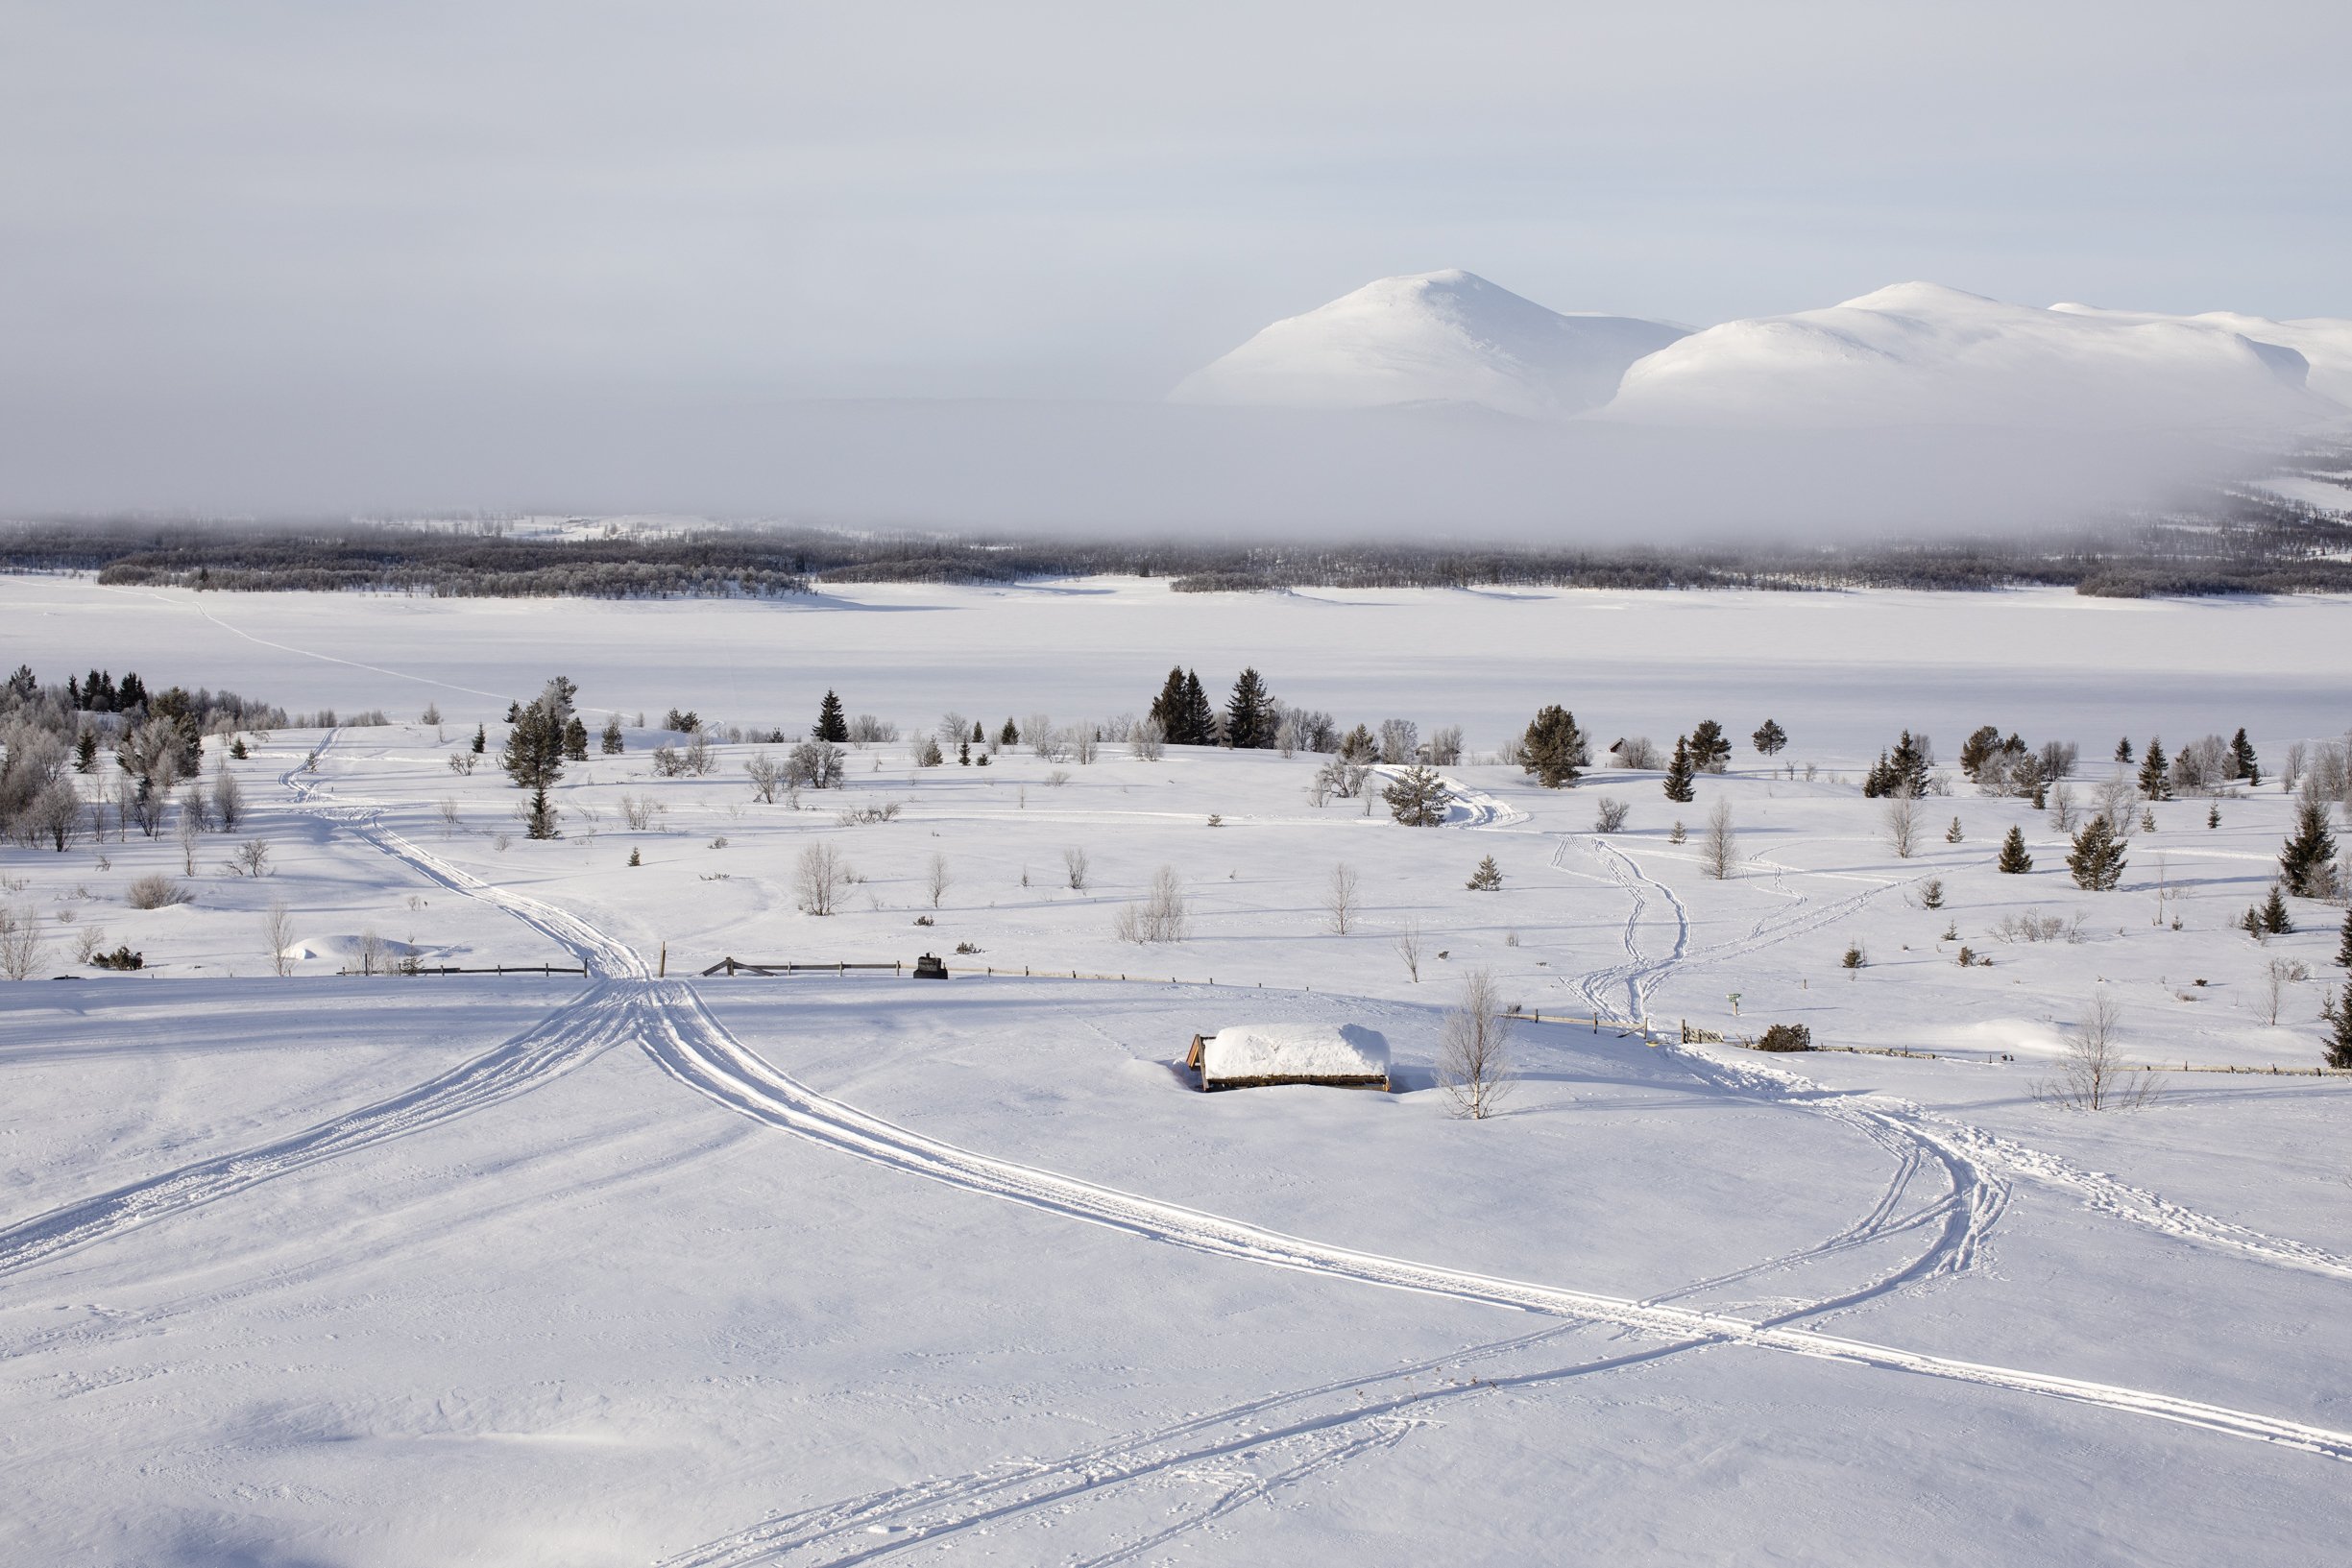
(1254, 1055)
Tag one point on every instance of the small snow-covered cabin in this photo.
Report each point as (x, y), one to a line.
(1252, 1055)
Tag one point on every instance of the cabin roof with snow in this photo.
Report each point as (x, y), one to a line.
(1244, 1056)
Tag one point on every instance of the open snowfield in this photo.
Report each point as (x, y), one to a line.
(635, 1267)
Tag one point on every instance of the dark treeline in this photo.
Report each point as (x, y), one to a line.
(2253, 544)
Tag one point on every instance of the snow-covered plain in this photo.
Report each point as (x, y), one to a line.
(631, 1267)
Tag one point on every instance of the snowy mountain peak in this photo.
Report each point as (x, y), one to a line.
(1446, 336)
(1922, 296)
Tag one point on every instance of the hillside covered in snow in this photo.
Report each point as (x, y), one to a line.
(1431, 338)
(1910, 354)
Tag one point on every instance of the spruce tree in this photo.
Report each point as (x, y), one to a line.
(1769, 737)
(236, 749)
(2340, 1037)
(612, 736)
(2213, 815)
(1167, 707)
(1199, 718)
(86, 752)
(1552, 748)
(2013, 856)
(575, 739)
(2097, 859)
(979, 734)
(2122, 751)
(481, 739)
(1953, 833)
(2155, 782)
(831, 723)
(1487, 878)
(2242, 762)
(2344, 949)
(2275, 920)
(1678, 773)
(1250, 724)
(1009, 736)
(2307, 857)
(540, 823)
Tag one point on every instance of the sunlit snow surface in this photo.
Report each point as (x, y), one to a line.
(627, 1268)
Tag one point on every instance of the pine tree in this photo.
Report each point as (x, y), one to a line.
(830, 724)
(2340, 1037)
(534, 756)
(236, 749)
(2097, 859)
(635, 858)
(1953, 833)
(2274, 919)
(1418, 798)
(2013, 856)
(2306, 861)
(86, 751)
(2242, 762)
(575, 739)
(963, 753)
(481, 739)
(1552, 748)
(1678, 773)
(1709, 749)
(2122, 751)
(1010, 735)
(612, 736)
(2155, 782)
(979, 734)
(1249, 715)
(1769, 737)
(1487, 878)
(2213, 815)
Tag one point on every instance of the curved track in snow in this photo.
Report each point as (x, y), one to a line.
(558, 1042)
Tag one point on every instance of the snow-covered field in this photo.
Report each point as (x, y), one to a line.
(635, 1267)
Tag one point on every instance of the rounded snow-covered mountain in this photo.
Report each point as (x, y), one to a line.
(1440, 337)
(1919, 354)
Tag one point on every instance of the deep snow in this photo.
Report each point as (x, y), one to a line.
(624, 1269)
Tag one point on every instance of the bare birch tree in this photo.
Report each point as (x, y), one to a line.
(937, 880)
(1408, 945)
(1719, 849)
(819, 876)
(277, 932)
(1902, 819)
(1474, 1049)
(1340, 898)
(2093, 1074)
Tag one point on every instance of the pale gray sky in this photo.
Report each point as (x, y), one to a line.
(290, 254)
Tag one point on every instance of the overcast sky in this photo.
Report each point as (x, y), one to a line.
(219, 220)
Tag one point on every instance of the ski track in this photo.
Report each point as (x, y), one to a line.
(668, 1019)
(686, 1041)
(561, 1040)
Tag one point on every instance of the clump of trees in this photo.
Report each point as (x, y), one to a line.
(535, 752)
(1901, 771)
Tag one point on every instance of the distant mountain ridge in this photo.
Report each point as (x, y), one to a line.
(1913, 353)
(1443, 336)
